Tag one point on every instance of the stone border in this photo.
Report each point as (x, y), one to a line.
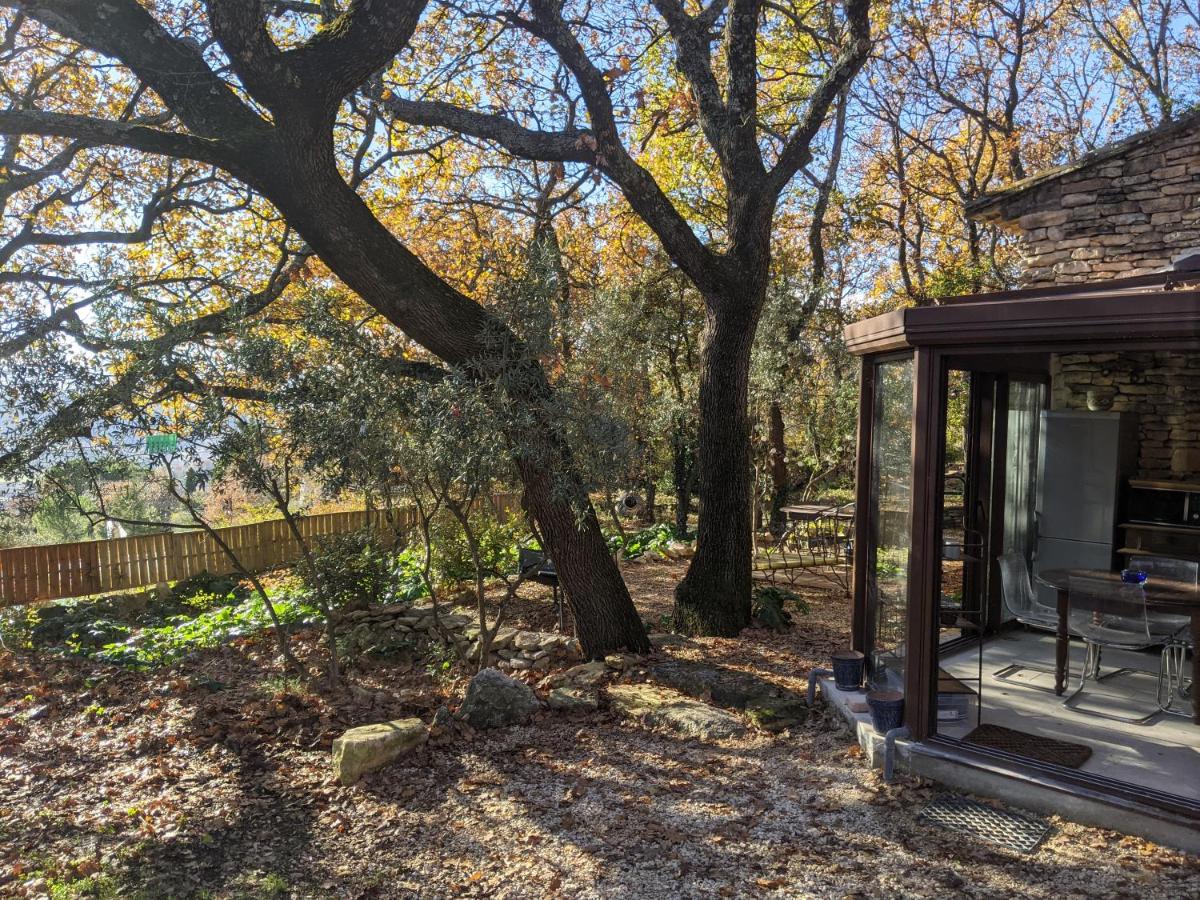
(513, 649)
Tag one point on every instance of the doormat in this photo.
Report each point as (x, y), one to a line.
(1033, 746)
(1002, 827)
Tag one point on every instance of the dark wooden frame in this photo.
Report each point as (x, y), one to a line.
(1147, 313)
(979, 495)
(859, 620)
(924, 562)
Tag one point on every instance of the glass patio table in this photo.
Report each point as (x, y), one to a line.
(1173, 596)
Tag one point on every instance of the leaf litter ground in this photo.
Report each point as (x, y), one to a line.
(212, 778)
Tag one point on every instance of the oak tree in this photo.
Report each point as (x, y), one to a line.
(157, 125)
(756, 83)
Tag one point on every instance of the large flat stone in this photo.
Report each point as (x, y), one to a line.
(723, 686)
(661, 707)
(587, 674)
(369, 747)
(574, 699)
(777, 715)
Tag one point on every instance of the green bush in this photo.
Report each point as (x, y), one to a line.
(204, 586)
(17, 627)
(653, 539)
(498, 540)
(181, 635)
(354, 570)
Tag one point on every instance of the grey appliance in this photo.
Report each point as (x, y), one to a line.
(1084, 459)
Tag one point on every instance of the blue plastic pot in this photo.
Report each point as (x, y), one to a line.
(848, 669)
(887, 710)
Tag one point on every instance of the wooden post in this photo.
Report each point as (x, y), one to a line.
(862, 510)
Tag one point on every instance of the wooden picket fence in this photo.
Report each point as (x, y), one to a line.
(56, 571)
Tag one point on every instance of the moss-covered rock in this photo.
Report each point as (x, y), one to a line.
(775, 714)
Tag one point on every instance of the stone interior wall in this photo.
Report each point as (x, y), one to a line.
(1162, 388)
(1130, 215)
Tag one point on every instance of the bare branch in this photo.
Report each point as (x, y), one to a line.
(798, 150)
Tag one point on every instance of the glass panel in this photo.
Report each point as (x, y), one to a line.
(960, 538)
(891, 505)
(1025, 402)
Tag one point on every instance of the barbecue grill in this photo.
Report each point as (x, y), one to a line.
(537, 566)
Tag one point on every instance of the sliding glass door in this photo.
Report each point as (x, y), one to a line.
(891, 519)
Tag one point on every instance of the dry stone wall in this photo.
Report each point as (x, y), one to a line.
(512, 649)
(1162, 388)
(1128, 214)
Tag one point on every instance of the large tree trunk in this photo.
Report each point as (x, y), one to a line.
(586, 569)
(304, 184)
(714, 597)
(777, 444)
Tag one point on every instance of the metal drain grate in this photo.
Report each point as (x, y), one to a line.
(1002, 827)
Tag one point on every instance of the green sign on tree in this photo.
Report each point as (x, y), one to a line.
(161, 443)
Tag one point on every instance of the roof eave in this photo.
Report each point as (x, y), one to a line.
(989, 207)
(1166, 318)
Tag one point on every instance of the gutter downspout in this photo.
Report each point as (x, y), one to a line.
(889, 750)
(812, 683)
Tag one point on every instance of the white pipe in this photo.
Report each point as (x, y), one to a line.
(812, 682)
(889, 750)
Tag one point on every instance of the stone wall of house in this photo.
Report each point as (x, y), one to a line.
(1162, 388)
(1129, 214)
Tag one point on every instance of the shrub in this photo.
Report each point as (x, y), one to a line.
(770, 607)
(354, 569)
(653, 539)
(181, 635)
(205, 585)
(497, 538)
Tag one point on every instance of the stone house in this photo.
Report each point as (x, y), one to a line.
(1128, 209)
(981, 612)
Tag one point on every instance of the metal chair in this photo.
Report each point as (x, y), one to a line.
(1112, 615)
(1162, 568)
(1171, 671)
(1172, 675)
(1022, 601)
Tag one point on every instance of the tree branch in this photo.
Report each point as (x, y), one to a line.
(151, 361)
(354, 46)
(137, 135)
(797, 152)
(641, 191)
(693, 58)
(574, 145)
(123, 30)
(741, 64)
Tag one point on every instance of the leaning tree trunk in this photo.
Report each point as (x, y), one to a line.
(302, 180)
(714, 596)
(585, 567)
